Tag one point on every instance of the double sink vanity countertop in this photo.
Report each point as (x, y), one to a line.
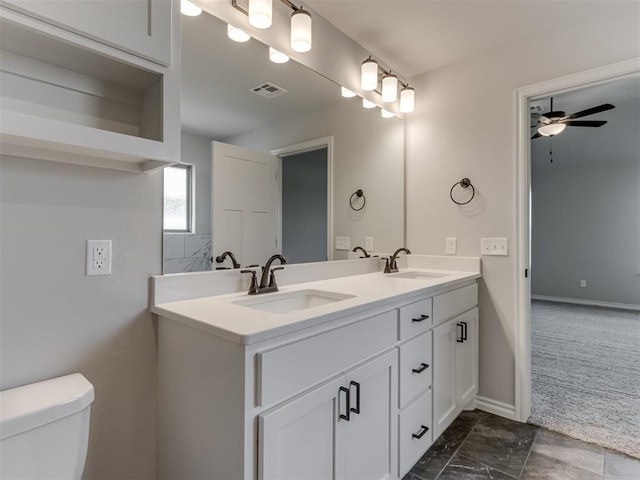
(247, 319)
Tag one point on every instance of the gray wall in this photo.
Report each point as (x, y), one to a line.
(586, 226)
(54, 320)
(304, 206)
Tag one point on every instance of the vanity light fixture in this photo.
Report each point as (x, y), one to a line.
(260, 13)
(367, 104)
(369, 75)
(407, 99)
(551, 129)
(371, 72)
(189, 9)
(386, 114)
(236, 34)
(277, 56)
(389, 88)
(346, 93)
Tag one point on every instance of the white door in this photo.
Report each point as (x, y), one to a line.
(444, 387)
(245, 203)
(304, 438)
(466, 365)
(371, 435)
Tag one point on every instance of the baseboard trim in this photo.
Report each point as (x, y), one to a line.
(497, 408)
(595, 303)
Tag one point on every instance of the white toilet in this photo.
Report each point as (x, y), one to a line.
(44, 429)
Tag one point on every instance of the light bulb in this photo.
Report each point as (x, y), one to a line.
(189, 9)
(236, 34)
(551, 129)
(301, 31)
(260, 12)
(277, 57)
(386, 114)
(369, 75)
(407, 100)
(367, 104)
(389, 88)
(347, 93)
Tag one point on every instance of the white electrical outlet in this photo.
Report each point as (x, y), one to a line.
(343, 243)
(451, 245)
(494, 246)
(98, 257)
(583, 284)
(368, 244)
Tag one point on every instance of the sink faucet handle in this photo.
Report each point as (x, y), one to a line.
(253, 287)
(272, 276)
(387, 268)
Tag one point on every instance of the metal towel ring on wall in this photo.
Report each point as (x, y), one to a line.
(464, 183)
(358, 194)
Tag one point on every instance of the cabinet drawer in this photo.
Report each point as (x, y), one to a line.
(415, 367)
(413, 422)
(415, 318)
(285, 370)
(450, 304)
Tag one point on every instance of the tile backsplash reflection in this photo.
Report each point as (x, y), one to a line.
(186, 253)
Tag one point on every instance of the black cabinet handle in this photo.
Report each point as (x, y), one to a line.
(423, 367)
(420, 318)
(357, 409)
(460, 338)
(423, 429)
(464, 330)
(346, 417)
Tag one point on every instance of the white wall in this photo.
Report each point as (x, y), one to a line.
(464, 127)
(54, 320)
(368, 153)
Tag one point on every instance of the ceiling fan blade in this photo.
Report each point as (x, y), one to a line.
(590, 111)
(537, 135)
(584, 123)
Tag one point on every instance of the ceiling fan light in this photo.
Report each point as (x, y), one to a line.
(346, 93)
(551, 129)
(260, 13)
(369, 75)
(367, 104)
(386, 114)
(189, 9)
(301, 31)
(407, 100)
(277, 56)
(236, 34)
(389, 88)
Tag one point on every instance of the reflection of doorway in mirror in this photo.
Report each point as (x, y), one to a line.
(304, 209)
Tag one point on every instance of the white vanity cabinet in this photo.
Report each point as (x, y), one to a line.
(141, 27)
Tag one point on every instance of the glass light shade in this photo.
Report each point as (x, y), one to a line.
(236, 34)
(301, 31)
(367, 104)
(389, 88)
(551, 129)
(407, 100)
(277, 56)
(345, 92)
(369, 75)
(260, 13)
(189, 9)
(386, 114)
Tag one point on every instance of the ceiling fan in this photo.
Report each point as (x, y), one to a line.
(554, 122)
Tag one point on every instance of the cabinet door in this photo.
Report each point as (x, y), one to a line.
(371, 435)
(141, 27)
(466, 362)
(444, 387)
(303, 438)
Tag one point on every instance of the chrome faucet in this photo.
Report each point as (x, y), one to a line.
(267, 272)
(391, 266)
(366, 255)
(223, 257)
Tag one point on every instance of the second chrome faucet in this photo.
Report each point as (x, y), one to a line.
(268, 272)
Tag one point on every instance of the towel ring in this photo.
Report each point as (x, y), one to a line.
(358, 194)
(464, 183)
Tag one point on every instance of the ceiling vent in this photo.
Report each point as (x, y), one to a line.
(537, 107)
(268, 90)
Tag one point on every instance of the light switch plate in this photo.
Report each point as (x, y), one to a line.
(368, 244)
(494, 246)
(343, 243)
(451, 245)
(98, 257)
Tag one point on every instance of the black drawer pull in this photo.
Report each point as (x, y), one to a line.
(346, 417)
(423, 429)
(464, 330)
(423, 367)
(460, 338)
(357, 409)
(420, 319)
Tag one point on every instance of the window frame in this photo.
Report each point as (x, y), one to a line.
(191, 199)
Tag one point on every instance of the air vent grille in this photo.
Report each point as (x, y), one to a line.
(268, 90)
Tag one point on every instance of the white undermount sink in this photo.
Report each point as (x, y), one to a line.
(419, 275)
(287, 302)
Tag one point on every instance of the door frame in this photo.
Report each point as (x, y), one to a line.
(523, 96)
(308, 146)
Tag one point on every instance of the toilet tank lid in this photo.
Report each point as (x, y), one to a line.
(31, 406)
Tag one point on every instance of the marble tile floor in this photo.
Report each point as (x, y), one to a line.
(480, 446)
